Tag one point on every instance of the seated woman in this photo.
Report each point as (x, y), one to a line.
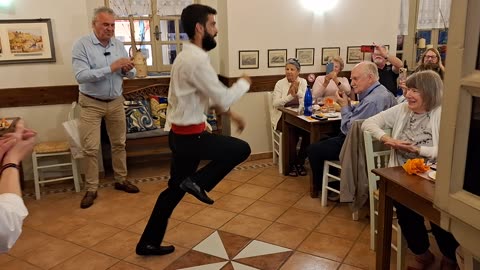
(415, 131)
(432, 56)
(290, 91)
(327, 86)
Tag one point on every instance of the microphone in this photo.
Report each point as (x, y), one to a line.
(106, 53)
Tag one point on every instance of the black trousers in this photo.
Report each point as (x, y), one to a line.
(224, 153)
(415, 232)
(328, 149)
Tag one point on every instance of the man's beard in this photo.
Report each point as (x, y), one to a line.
(208, 41)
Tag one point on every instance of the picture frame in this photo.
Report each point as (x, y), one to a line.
(277, 57)
(368, 56)
(354, 55)
(248, 59)
(26, 41)
(305, 56)
(329, 52)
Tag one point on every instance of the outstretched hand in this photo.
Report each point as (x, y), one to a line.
(238, 121)
(16, 145)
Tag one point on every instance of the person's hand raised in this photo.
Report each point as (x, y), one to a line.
(293, 90)
(342, 98)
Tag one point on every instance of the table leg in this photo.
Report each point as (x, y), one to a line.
(384, 237)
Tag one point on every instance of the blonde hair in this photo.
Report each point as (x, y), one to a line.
(339, 60)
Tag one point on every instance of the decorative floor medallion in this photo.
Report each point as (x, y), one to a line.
(226, 251)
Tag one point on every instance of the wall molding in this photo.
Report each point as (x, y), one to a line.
(66, 94)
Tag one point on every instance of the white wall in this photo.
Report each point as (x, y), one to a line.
(285, 24)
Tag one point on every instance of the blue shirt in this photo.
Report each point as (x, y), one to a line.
(375, 99)
(92, 67)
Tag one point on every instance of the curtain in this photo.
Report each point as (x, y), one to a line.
(433, 14)
(171, 7)
(137, 8)
(403, 23)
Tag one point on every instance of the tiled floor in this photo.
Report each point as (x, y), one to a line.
(260, 220)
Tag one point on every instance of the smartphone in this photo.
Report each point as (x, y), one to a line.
(317, 117)
(329, 68)
(367, 48)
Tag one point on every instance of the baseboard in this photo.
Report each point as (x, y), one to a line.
(258, 156)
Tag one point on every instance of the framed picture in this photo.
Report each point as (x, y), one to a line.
(26, 41)
(368, 56)
(354, 55)
(277, 57)
(328, 53)
(248, 59)
(305, 56)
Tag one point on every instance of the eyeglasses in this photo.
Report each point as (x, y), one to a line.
(431, 56)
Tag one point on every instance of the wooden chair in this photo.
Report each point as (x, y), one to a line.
(277, 147)
(377, 156)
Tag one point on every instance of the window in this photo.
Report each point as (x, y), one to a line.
(159, 36)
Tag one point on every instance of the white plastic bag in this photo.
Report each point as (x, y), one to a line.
(72, 129)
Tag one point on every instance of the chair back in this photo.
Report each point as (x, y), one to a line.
(276, 136)
(377, 155)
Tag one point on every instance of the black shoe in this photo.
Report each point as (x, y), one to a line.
(191, 187)
(88, 199)
(146, 250)
(127, 187)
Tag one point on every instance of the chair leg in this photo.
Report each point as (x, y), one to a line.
(324, 184)
(373, 223)
(355, 215)
(401, 249)
(36, 176)
(76, 175)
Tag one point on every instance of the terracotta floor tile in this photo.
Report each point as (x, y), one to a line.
(154, 187)
(365, 236)
(265, 210)
(18, 265)
(300, 218)
(283, 235)
(246, 226)
(88, 260)
(185, 210)
(119, 245)
(29, 240)
(312, 204)
(214, 195)
(326, 246)
(348, 267)
(342, 210)
(233, 203)
(53, 253)
(301, 260)
(340, 227)
(361, 256)
(156, 262)
(267, 180)
(187, 235)
(250, 191)
(273, 171)
(122, 265)
(294, 184)
(4, 258)
(241, 175)
(62, 226)
(226, 185)
(281, 197)
(211, 217)
(92, 234)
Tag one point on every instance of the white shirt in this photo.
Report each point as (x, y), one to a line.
(12, 213)
(194, 86)
(281, 97)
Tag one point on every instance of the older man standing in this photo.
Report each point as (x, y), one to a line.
(388, 73)
(374, 98)
(100, 62)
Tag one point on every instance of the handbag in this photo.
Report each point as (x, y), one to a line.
(72, 129)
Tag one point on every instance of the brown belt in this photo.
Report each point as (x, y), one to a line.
(102, 100)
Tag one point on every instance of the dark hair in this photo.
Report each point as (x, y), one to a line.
(193, 14)
(430, 66)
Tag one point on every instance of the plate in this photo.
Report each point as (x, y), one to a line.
(432, 174)
(331, 115)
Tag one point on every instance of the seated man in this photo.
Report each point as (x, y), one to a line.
(373, 97)
(388, 73)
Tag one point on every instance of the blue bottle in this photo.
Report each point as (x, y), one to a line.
(307, 102)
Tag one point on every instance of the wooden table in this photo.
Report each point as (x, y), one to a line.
(414, 192)
(317, 130)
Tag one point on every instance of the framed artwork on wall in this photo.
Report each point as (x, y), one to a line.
(277, 57)
(354, 55)
(26, 41)
(328, 53)
(248, 59)
(306, 56)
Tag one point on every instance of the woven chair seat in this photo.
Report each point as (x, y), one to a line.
(51, 147)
